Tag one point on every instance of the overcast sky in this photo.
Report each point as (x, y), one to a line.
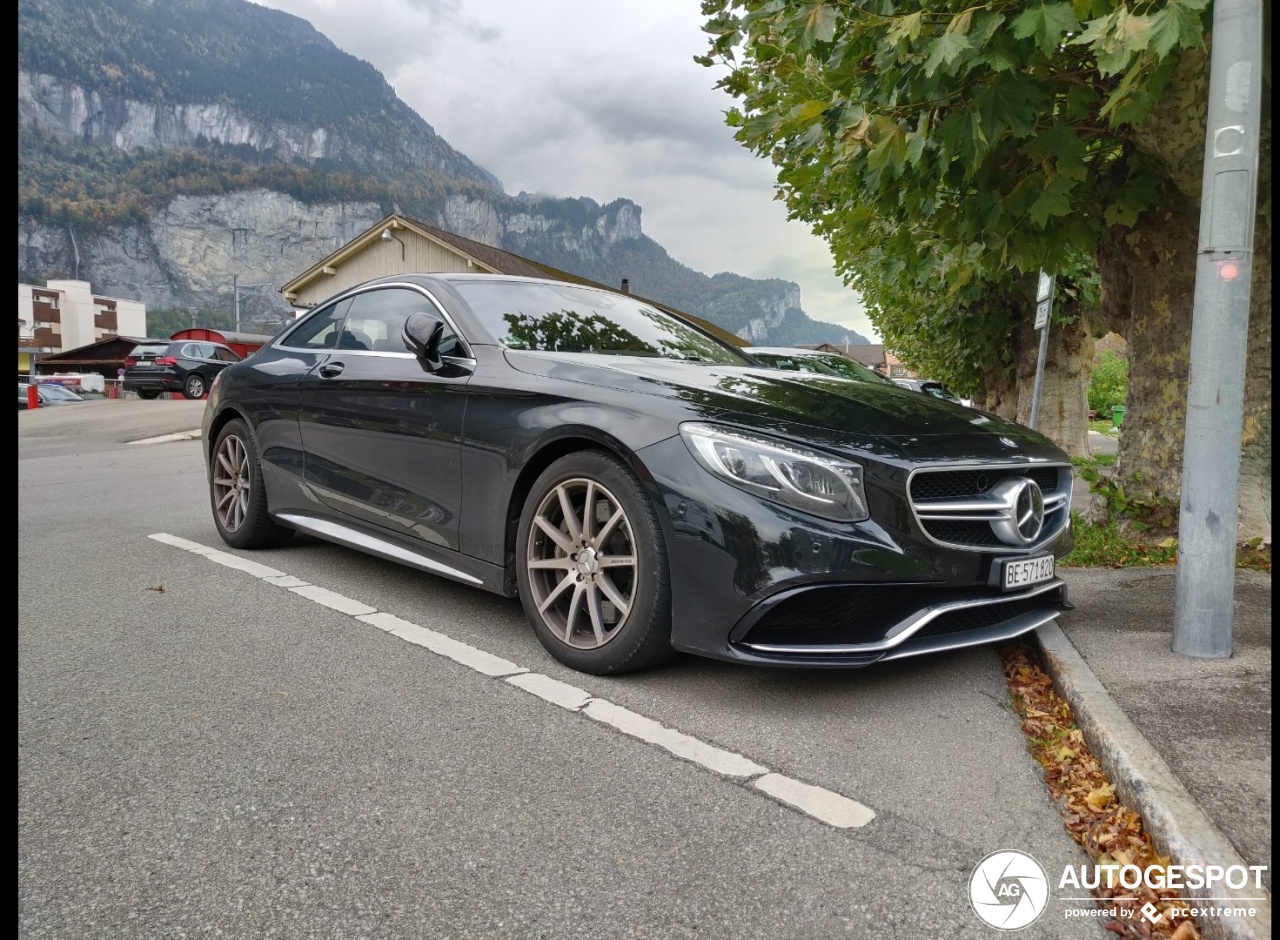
(596, 98)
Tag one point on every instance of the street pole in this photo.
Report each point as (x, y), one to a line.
(1205, 587)
(235, 292)
(1044, 309)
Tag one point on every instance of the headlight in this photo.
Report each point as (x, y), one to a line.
(782, 472)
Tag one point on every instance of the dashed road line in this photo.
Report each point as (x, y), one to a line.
(168, 438)
(818, 803)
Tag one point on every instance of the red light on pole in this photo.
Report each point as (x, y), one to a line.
(1228, 270)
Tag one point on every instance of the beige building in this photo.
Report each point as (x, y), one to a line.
(398, 245)
(66, 315)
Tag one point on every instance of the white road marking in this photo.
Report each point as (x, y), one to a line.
(678, 743)
(819, 802)
(166, 438)
(332, 599)
(244, 564)
(816, 802)
(551, 690)
(286, 581)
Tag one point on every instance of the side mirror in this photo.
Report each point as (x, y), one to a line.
(422, 334)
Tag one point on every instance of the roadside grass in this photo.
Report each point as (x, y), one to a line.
(1111, 833)
(1103, 427)
(1106, 546)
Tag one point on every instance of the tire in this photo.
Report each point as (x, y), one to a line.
(194, 387)
(148, 393)
(236, 493)
(602, 619)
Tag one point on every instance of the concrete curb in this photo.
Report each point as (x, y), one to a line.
(1176, 823)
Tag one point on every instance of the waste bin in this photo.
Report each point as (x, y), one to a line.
(1117, 415)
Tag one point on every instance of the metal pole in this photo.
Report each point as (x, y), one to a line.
(1044, 310)
(235, 291)
(1205, 585)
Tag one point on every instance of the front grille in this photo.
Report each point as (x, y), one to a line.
(957, 507)
(958, 484)
(843, 614)
(988, 615)
(958, 532)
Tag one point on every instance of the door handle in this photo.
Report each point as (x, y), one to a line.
(331, 370)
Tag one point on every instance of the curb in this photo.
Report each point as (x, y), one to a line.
(1177, 825)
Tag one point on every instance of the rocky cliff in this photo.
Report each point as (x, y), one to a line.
(212, 139)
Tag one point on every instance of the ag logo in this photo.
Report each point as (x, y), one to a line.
(1008, 890)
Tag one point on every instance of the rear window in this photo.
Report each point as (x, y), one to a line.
(149, 350)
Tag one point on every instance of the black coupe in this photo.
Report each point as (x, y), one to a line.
(642, 486)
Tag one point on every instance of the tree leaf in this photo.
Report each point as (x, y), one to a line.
(945, 49)
(1053, 201)
(805, 112)
(1178, 25)
(905, 27)
(820, 25)
(1047, 23)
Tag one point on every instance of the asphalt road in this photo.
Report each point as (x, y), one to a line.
(225, 757)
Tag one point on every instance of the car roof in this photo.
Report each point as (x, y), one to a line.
(784, 351)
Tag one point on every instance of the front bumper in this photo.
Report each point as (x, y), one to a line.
(755, 582)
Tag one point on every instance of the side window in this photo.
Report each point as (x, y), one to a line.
(190, 351)
(223, 354)
(319, 330)
(207, 350)
(377, 317)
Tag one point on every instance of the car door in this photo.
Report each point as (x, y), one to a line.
(382, 435)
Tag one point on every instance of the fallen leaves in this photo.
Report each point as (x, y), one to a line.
(159, 589)
(1105, 828)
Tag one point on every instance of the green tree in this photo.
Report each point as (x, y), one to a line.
(951, 149)
(1110, 383)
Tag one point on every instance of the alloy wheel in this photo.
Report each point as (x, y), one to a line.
(231, 483)
(195, 386)
(581, 561)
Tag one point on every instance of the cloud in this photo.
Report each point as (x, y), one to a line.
(585, 98)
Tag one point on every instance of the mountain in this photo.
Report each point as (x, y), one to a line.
(166, 146)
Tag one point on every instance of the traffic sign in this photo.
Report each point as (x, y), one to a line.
(1042, 313)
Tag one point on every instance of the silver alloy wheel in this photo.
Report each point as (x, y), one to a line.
(231, 483)
(581, 561)
(195, 386)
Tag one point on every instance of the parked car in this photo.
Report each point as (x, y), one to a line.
(812, 360)
(183, 366)
(936, 389)
(640, 485)
(49, 395)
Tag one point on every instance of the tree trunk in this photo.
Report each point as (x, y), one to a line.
(1148, 285)
(1255, 457)
(1148, 280)
(1064, 397)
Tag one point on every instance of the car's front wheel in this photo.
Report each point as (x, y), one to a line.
(236, 492)
(591, 566)
(194, 386)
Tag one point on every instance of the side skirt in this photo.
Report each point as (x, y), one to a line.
(449, 565)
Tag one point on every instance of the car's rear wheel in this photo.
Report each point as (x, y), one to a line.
(148, 393)
(236, 493)
(591, 566)
(194, 386)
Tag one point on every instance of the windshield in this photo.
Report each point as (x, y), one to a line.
(571, 319)
(793, 363)
(850, 369)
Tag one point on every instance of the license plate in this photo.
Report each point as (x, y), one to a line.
(144, 364)
(1024, 572)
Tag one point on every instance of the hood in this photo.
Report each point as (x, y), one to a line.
(828, 410)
